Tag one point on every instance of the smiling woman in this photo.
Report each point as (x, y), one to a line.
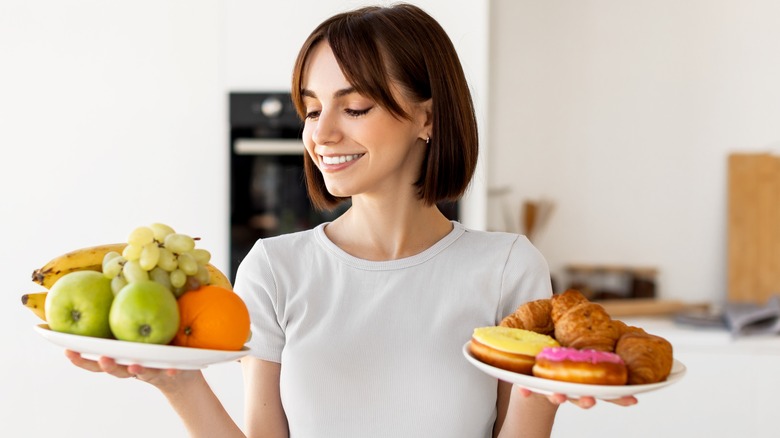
(389, 288)
(379, 63)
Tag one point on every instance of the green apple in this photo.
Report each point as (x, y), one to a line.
(144, 311)
(79, 303)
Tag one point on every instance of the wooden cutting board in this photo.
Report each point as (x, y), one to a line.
(753, 227)
(648, 307)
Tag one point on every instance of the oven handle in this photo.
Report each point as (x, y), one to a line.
(256, 146)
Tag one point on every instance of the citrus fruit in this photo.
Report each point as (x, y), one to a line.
(212, 317)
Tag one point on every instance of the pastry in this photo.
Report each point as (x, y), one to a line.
(583, 325)
(580, 366)
(508, 348)
(533, 315)
(648, 357)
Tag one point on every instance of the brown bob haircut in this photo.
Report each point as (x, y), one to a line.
(403, 45)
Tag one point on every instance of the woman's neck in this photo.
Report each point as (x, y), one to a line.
(388, 230)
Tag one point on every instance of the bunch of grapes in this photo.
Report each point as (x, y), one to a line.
(156, 252)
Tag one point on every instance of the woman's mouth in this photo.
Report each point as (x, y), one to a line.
(339, 159)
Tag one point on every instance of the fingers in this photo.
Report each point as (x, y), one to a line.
(110, 366)
(629, 400)
(584, 402)
(76, 359)
(104, 364)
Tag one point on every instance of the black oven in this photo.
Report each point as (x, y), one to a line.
(267, 189)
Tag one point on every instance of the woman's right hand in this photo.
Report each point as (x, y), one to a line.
(164, 379)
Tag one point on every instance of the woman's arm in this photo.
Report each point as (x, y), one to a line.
(263, 409)
(196, 404)
(529, 416)
(204, 415)
(198, 407)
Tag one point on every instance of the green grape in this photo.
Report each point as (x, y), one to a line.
(150, 255)
(178, 278)
(179, 243)
(167, 260)
(133, 271)
(160, 231)
(110, 255)
(203, 276)
(132, 252)
(141, 236)
(202, 256)
(113, 267)
(161, 276)
(187, 264)
(117, 283)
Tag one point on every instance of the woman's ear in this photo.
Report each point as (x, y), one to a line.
(426, 120)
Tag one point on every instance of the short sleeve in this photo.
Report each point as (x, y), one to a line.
(256, 286)
(526, 277)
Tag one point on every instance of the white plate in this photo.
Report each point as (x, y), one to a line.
(547, 386)
(148, 355)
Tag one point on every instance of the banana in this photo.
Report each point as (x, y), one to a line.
(90, 258)
(35, 302)
(218, 278)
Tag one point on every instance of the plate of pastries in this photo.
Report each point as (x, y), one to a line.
(569, 345)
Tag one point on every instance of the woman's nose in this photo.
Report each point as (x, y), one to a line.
(327, 129)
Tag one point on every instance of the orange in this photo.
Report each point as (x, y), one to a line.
(212, 317)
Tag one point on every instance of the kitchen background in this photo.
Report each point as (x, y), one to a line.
(621, 114)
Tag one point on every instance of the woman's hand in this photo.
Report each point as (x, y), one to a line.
(584, 402)
(163, 379)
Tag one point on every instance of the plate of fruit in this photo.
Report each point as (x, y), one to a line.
(155, 300)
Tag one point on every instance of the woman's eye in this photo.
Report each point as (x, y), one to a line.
(357, 113)
(312, 114)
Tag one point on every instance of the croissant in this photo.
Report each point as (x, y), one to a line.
(583, 325)
(624, 328)
(647, 357)
(565, 301)
(533, 316)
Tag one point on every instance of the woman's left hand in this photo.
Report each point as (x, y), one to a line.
(584, 402)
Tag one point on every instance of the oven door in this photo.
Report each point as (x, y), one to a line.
(268, 194)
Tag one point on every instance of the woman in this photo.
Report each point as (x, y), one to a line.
(358, 324)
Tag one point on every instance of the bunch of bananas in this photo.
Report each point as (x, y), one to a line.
(87, 259)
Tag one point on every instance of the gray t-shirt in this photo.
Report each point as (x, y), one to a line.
(375, 348)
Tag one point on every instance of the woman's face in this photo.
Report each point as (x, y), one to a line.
(360, 148)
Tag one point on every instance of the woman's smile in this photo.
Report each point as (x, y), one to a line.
(335, 163)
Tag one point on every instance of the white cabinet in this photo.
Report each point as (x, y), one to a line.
(728, 391)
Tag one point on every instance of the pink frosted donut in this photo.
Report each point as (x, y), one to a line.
(580, 366)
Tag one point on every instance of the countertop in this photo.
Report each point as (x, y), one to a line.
(693, 337)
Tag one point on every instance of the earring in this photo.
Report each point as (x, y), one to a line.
(428, 140)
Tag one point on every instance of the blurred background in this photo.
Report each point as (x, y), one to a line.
(611, 121)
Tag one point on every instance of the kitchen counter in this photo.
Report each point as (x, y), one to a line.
(691, 338)
(728, 390)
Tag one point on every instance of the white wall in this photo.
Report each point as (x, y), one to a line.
(623, 113)
(114, 115)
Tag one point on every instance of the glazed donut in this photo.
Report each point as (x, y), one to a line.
(508, 348)
(580, 366)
